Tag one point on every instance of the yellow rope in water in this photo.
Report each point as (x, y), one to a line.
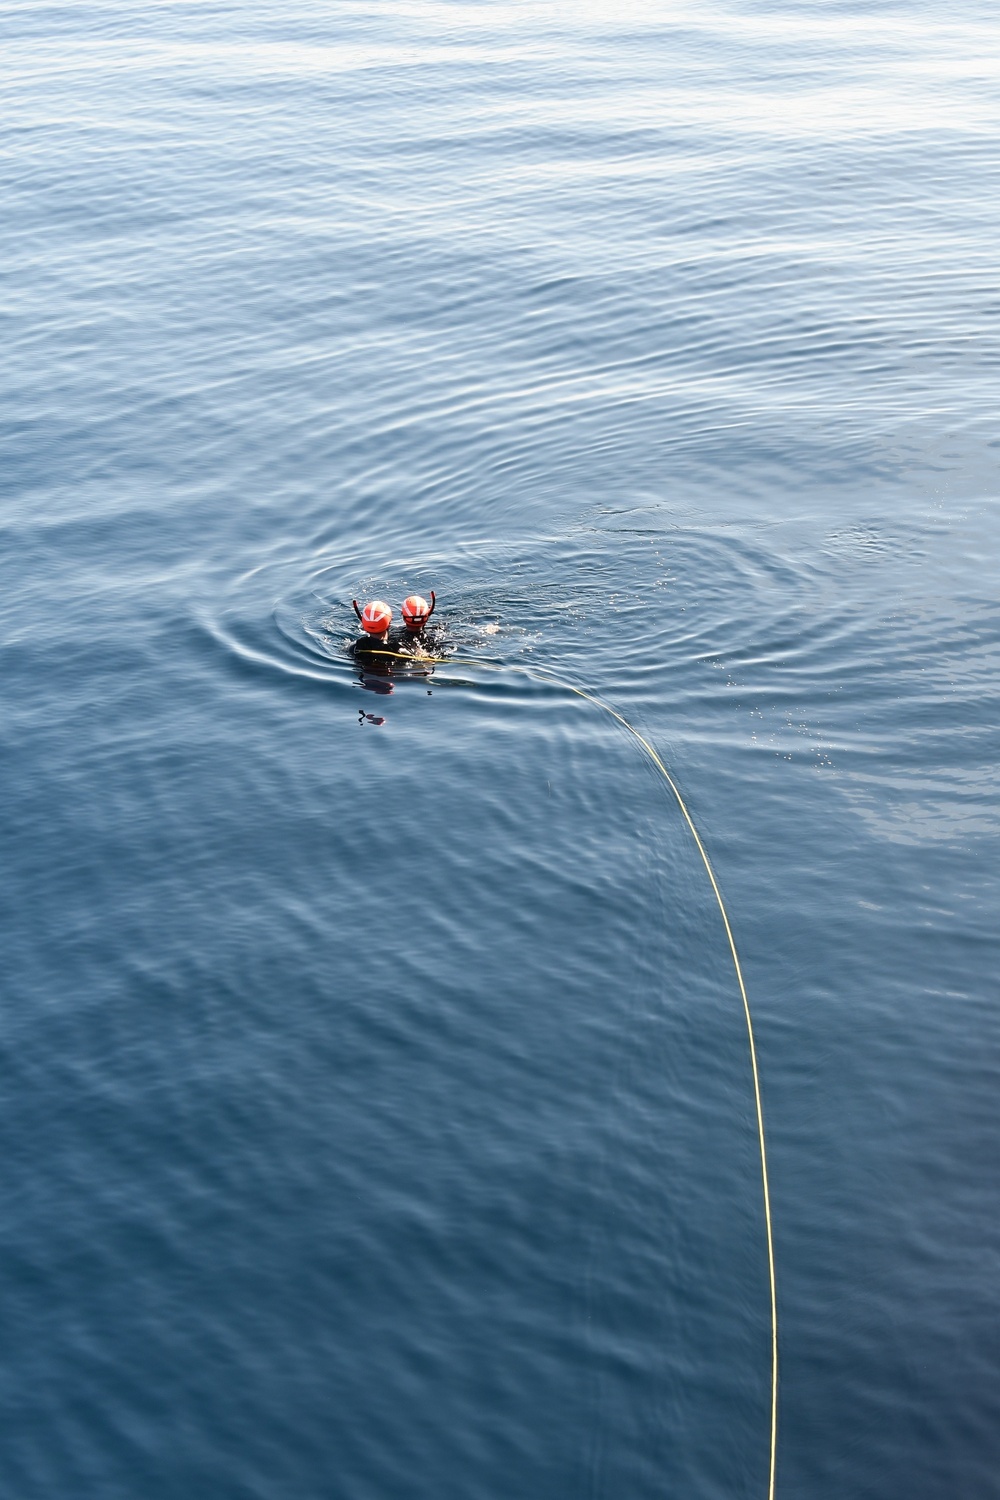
(542, 676)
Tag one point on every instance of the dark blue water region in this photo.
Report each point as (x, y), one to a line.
(377, 1110)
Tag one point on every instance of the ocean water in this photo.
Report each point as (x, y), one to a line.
(375, 1093)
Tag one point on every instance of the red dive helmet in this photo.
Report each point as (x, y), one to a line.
(416, 611)
(376, 617)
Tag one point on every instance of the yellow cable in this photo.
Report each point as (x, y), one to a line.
(542, 676)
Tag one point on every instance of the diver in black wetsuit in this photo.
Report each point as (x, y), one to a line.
(415, 639)
(375, 618)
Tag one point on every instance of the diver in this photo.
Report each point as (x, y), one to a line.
(415, 639)
(376, 619)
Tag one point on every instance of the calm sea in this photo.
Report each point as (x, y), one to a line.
(377, 1118)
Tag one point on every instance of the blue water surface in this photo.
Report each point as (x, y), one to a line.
(376, 1100)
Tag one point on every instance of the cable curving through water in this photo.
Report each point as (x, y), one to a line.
(542, 676)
